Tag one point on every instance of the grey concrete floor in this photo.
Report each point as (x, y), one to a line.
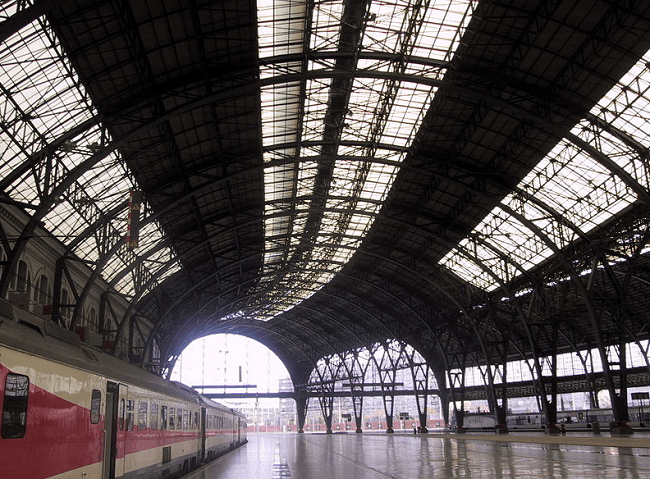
(403, 456)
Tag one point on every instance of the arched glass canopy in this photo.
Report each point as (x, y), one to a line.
(323, 176)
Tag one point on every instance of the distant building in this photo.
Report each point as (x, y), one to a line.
(288, 413)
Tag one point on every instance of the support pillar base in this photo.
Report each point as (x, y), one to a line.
(502, 429)
(553, 430)
(620, 428)
(390, 430)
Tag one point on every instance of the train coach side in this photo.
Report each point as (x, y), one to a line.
(69, 411)
(224, 429)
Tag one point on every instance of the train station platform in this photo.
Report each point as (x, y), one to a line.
(404, 456)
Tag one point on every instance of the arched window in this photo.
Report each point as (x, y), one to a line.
(93, 320)
(63, 310)
(23, 278)
(43, 291)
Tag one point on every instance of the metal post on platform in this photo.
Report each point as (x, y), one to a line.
(641, 397)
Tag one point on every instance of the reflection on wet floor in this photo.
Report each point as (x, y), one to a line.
(280, 467)
(378, 456)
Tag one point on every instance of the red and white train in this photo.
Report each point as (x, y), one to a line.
(71, 411)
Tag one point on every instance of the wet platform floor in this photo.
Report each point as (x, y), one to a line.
(402, 456)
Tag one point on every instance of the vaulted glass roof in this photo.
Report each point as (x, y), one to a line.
(361, 127)
(43, 101)
(299, 49)
(325, 175)
(568, 194)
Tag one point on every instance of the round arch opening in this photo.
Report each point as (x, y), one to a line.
(233, 369)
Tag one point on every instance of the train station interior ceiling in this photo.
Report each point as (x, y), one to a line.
(470, 177)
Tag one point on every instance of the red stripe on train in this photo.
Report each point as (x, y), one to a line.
(59, 437)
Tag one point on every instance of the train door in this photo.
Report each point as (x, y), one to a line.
(110, 430)
(120, 450)
(203, 432)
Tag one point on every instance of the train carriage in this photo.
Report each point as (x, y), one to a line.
(223, 431)
(71, 411)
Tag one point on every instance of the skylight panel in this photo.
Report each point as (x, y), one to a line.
(440, 32)
(572, 184)
(315, 109)
(407, 113)
(326, 24)
(171, 270)
(280, 27)
(379, 111)
(10, 8)
(280, 125)
(158, 260)
(627, 108)
(466, 265)
(43, 100)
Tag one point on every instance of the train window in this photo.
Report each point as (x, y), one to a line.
(142, 415)
(179, 416)
(167, 454)
(163, 417)
(172, 418)
(121, 413)
(185, 419)
(14, 409)
(153, 416)
(95, 406)
(130, 410)
(196, 420)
